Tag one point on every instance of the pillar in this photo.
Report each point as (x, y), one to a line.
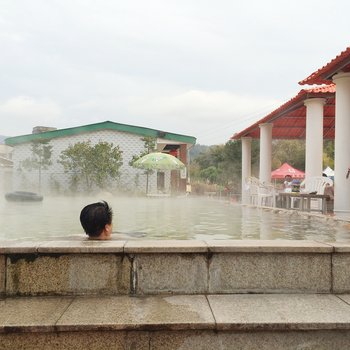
(314, 137)
(246, 166)
(184, 173)
(342, 143)
(265, 152)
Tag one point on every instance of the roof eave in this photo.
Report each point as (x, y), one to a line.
(325, 74)
(107, 125)
(288, 107)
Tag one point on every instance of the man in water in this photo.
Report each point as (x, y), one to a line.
(96, 219)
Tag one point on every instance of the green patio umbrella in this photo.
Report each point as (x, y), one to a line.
(158, 161)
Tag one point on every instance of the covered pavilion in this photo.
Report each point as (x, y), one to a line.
(314, 114)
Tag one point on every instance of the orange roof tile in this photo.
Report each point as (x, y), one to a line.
(324, 74)
(289, 120)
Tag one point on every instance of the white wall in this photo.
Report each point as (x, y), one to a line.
(129, 144)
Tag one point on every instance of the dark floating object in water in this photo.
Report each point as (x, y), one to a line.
(22, 196)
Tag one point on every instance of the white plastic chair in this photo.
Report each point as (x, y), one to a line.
(261, 194)
(252, 186)
(267, 195)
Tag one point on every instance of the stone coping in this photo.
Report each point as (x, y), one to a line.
(238, 312)
(171, 246)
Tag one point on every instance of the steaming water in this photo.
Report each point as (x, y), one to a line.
(164, 218)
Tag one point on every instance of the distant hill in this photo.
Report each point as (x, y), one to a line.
(197, 149)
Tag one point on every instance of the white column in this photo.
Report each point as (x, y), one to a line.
(314, 137)
(265, 152)
(342, 142)
(246, 166)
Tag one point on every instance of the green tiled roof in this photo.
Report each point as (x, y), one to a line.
(48, 135)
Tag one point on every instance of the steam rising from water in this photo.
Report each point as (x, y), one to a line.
(162, 218)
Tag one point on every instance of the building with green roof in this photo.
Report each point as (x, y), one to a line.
(129, 138)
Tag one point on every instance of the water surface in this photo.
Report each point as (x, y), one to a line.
(164, 218)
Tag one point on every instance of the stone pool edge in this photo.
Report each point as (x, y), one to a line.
(171, 246)
(173, 267)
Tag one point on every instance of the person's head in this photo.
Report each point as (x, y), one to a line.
(288, 178)
(96, 219)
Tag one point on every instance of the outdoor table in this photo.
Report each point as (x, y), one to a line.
(285, 200)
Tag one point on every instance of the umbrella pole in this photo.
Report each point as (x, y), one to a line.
(147, 182)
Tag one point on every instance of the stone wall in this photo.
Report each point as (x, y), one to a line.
(173, 267)
(157, 295)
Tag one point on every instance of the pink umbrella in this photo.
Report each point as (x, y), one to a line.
(286, 169)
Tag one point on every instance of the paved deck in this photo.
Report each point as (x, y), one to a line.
(180, 312)
(177, 322)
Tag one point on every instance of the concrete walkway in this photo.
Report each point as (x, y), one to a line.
(239, 321)
(187, 295)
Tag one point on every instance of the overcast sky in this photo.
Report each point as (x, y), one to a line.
(201, 68)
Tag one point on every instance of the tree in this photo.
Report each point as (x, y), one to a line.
(223, 164)
(328, 153)
(210, 174)
(226, 160)
(93, 165)
(40, 158)
(149, 146)
(197, 149)
(290, 151)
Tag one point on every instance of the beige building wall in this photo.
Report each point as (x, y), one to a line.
(56, 180)
(6, 168)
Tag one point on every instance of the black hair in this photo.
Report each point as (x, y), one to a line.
(94, 217)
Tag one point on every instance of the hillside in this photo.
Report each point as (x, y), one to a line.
(197, 149)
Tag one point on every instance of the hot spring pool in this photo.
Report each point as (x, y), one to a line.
(165, 218)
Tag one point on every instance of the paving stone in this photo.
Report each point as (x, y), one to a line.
(166, 246)
(341, 247)
(18, 247)
(82, 246)
(268, 246)
(31, 314)
(345, 297)
(279, 312)
(254, 322)
(147, 313)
